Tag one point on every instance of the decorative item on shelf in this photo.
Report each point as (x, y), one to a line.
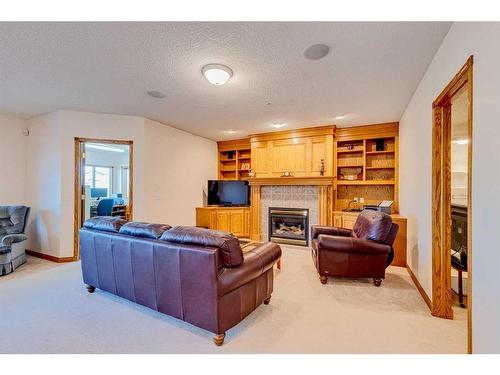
(322, 167)
(379, 144)
(231, 154)
(286, 174)
(251, 173)
(350, 173)
(385, 175)
(245, 166)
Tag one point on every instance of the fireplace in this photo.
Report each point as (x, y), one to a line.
(289, 225)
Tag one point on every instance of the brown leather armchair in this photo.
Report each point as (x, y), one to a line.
(365, 251)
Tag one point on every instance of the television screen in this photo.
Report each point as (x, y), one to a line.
(228, 193)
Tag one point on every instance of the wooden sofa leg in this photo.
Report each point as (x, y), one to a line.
(267, 300)
(323, 279)
(90, 288)
(377, 281)
(219, 339)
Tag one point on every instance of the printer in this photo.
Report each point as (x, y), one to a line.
(384, 206)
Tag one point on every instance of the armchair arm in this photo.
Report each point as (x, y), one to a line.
(12, 238)
(255, 263)
(351, 245)
(316, 230)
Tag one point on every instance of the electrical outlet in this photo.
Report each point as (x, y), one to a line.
(361, 200)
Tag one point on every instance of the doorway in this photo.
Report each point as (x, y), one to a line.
(451, 198)
(103, 181)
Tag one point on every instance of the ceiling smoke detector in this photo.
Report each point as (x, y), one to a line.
(217, 74)
(316, 51)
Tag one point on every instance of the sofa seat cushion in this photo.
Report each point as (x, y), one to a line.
(230, 248)
(105, 223)
(146, 230)
(372, 225)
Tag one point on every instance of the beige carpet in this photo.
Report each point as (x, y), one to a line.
(44, 308)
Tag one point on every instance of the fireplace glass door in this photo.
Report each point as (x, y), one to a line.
(289, 225)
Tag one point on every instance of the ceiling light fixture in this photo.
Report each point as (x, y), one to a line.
(217, 74)
(278, 125)
(339, 117)
(316, 51)
(156, 94)
(103, 148)
(230, 131)
(461, 141)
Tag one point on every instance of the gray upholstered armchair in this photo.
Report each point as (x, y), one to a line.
(13, 220)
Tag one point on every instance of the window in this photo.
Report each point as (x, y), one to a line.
(98, 177)
(124, 181)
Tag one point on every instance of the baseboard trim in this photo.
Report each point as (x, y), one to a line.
(50, 257)
(419, 288)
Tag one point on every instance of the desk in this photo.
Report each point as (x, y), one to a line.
(118, 210)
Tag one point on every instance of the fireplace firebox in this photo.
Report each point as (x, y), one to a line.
(289, 225)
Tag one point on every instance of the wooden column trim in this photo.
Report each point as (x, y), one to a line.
(255, 213)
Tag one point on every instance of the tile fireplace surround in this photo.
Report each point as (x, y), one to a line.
(288, 197)
(313, 193)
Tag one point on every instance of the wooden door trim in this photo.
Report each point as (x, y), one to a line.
(441, 198)
(77, 212)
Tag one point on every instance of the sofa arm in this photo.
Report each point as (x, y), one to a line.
(351, 245)
(316, 230)
(255, 263)
(12, 238)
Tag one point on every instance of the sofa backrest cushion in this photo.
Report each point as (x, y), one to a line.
(105, 223)
(146, 230)
(372, 225)
(229, 246)
(13, 219)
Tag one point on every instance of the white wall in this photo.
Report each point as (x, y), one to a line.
(463, 39)
(178, 165)
(43, 185)
(12, 160)
(170, 171)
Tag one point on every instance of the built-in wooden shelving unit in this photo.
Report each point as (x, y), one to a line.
(366, 164)
(235, 159)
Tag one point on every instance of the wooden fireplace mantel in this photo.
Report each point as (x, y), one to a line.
(279, 181)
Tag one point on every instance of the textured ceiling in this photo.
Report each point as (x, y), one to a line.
(369, 76)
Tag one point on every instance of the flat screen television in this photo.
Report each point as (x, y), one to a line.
(228, 193)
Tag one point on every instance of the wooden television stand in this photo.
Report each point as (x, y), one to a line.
(235, 220)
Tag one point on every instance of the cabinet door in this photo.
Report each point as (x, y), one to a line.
(224, 221)
(348, 221)
(261, 159)
(321, 149)
(337, 221)
(290, 155)
(237, 222)
(203, 217)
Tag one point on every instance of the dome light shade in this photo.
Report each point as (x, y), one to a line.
(217, 74)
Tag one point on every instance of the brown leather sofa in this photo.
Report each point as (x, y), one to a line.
(197, 275)
(365, 251)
